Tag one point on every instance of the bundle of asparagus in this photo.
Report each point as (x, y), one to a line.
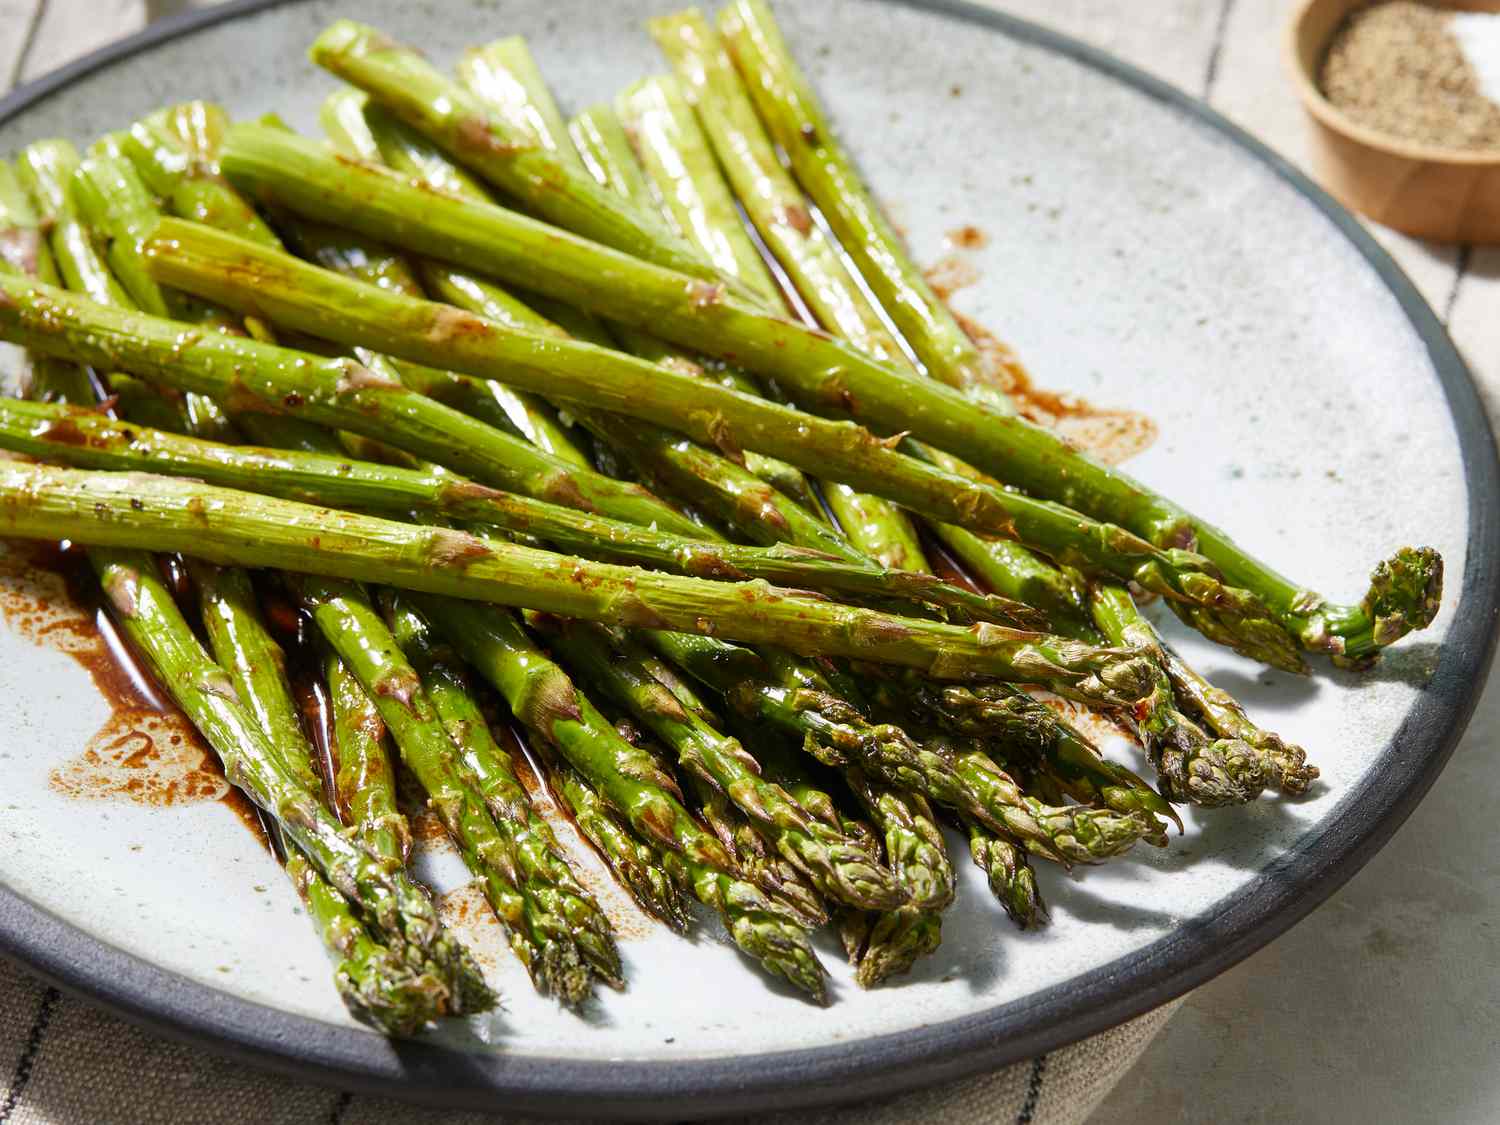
(633, 504)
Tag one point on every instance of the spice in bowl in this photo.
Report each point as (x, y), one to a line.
(1418, 73)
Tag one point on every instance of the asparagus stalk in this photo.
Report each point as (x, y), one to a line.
(503, 151)
(755, 856)
(253, 377)
(364, 781)
(245, 649)
(634, 863)
(748, 847)
(86, 439)
(834, 866)
(1009, 873)
(558, 905)
(1191, 766)
(605, 151)
(116, 206)
(771, 199)
(1405, 589)
(352, 628)
(795, 121)
(678, 161)
(880, 944)
(46, 170)
(1221, 713)
(175, 151)
(24, 249)
(250, 530)
(298, 294)
(511, 84)
(23, 244)
(502, 74)
(396, 910)
(793, 699)
(545, 701)
(1026, 728)
(914, 844)
(668, 137)
(372, 981)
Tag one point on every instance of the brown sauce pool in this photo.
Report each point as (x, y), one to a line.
(1110, 434)
(146, 752)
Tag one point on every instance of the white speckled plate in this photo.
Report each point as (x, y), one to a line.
(1143, 253)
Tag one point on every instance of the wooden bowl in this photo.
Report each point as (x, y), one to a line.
(1425, 191)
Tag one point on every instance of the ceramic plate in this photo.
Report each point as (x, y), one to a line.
(1141, 252)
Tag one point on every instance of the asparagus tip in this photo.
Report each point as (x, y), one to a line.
(1405, 593)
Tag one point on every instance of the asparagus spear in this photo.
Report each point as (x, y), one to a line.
(1221, 771)
(755, 856)
(364, 781)
(668, 137)
(250, 530)
(503, 72)
(87, 439)
(793, 699)
(653, 452)
(605, 151)
(245, 649)
(175, 151)
(617, 668)
(372, 981)
(398, 913)
(352, 628)
(1286, 763)
(1026, 727)
(1010, 876)
(914, 844)
(634, 863)
(255, 377)
(749, 848)
(558, 905)
(771, 199)
(501, 150)
(795, 121)
(1405, 589)
(677, 160)
(254, 661)
(24, 249)
(303, 296)
(46, 169)
(23, 244)
(543, 699)
(117, 208)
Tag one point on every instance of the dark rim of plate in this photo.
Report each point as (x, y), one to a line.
(1201, 948)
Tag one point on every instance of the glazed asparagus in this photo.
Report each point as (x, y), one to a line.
(688, 311)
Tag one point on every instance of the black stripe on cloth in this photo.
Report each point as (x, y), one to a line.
(1033, 1090)
(336, 1111)
(22, 1074)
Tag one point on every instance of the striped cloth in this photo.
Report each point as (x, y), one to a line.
(66, 1062)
